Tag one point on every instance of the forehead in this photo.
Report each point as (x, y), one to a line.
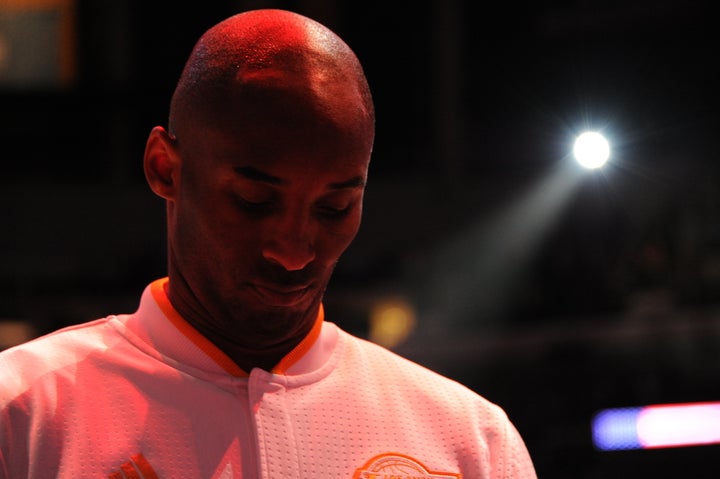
(280, 122)
(283, 153)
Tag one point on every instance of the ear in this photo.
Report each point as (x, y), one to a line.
(162, 163)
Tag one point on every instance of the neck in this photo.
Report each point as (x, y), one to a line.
(251, 339)
(249, 357)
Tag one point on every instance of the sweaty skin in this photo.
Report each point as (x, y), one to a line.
(263, 171)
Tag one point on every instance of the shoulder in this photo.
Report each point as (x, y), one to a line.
(417, 395)
(388, 364)
(392, 372)
(24, 365)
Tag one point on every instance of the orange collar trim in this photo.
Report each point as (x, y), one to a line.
(304, 347)
(158, 290)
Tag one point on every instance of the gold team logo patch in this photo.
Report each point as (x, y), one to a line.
(399, 466)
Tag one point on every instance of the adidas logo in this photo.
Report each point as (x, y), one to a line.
(136, 468)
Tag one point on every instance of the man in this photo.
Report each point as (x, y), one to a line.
(228, 368)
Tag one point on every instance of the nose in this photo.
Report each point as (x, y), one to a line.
(290, 253)
(290, 247)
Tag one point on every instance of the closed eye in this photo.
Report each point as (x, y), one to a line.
(335, 211)
(256, 207)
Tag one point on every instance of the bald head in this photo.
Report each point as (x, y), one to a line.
(269, 66)
(263, 174)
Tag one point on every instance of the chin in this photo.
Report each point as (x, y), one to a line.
(272, 321)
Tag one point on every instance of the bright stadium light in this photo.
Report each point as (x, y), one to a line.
(591, 150)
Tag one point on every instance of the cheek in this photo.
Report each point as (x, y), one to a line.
(208, 227)
(335, 240)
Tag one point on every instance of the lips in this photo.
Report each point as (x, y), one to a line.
(280, 295)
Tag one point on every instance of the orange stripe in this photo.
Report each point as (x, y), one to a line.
(145, 468)
(115, 475)
(221, 359)
(301, 349)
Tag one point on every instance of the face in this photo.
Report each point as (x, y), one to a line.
(261, 217)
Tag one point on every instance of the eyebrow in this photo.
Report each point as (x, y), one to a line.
(355, 182)
(252, 173)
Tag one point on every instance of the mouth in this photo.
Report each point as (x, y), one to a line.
(280, 295)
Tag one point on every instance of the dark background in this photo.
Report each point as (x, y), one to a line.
(609, 298)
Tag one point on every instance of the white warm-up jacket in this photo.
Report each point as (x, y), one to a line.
(144, 396)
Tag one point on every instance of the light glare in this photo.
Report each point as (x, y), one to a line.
(591, 150)
(391, 322)
(679, 425)
(657, 426)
